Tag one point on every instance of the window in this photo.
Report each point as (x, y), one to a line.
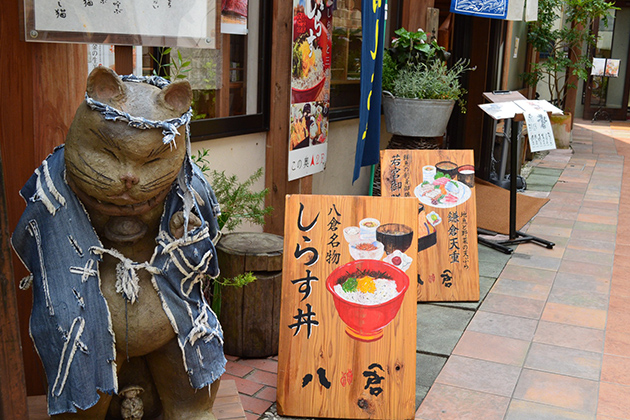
(345, 92)
(230, 84)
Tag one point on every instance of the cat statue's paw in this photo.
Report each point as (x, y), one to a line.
(176, 225)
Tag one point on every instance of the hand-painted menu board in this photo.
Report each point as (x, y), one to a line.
(443, 182)
(348, 315)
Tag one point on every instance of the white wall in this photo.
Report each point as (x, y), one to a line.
(240, 156)
(337, 178)
(243, 155)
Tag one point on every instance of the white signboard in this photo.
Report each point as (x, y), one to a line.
(105, 20)
(539, 131)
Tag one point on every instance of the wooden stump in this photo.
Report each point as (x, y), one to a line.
(250, 315)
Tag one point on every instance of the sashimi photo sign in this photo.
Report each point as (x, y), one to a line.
(443, 183)
(348, 314)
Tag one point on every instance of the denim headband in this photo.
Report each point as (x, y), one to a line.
(169, 127)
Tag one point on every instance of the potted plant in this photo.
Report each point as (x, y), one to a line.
(563, 50)
(419, 89)
(246, 295)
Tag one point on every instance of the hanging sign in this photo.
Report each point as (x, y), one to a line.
(483, 8)
(234, 17)
(188, 23)
(310, 87)
(369, 136)
(348, 316)
(443, 183)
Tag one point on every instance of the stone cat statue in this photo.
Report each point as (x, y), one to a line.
(118, 237)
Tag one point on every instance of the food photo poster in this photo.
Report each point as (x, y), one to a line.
(348, 312)
(310, 87)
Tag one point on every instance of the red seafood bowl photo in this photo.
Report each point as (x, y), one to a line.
(309, 64)
(367, 296)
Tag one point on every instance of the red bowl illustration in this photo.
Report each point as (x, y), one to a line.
(366, 322)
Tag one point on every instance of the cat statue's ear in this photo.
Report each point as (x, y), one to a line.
(104, 85)
(177, 96)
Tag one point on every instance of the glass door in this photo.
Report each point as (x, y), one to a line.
(606, 96)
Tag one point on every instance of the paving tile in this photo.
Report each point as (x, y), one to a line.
(265, 378)
(578, 267)
(616, 369)
(244, 386)
(593, 218)
(527, 410)
(268, 364)
(493, 348)
(255, 405)
(536, 261)
(421, 393)
(521, 289)
(549, 233)
(572, 315)
(593, 235)
(512, 305)
(268, 393)
(479, 375)
(594, 227)
(592, 246)
(552, 222)
(617, 343)
(614, 400)
(587, 339)
(583, 282)
(564, 361)
(450, 403)
(618, 314)
(503, 325)
(533, 248)
(530, 274)
(590, 257)
(485, 283)
(579, 298)
(574, 394)
(428, 367)
(237, 369)
(450, 323)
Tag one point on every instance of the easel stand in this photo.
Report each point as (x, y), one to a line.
(516, 236)
(601, 111)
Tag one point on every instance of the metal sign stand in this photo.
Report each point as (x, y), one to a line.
(516, 236)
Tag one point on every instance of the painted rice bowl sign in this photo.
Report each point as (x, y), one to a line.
(348, 316)
(443, 183)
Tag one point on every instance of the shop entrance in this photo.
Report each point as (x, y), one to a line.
(606, 97)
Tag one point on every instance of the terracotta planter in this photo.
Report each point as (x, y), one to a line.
(561, 126)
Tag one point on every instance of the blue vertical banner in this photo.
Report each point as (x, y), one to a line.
(368, 141)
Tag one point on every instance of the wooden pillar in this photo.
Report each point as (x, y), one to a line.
(41, 86)
(414, 14)
(12, 382)
(277, 156)
(477, 81)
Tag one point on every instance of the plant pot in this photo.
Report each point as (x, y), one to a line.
(416, 117)
(561, 127)
(250, 315)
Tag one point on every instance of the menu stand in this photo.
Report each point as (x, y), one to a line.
(515, 236)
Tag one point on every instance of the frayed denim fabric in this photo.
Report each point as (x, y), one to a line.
(70, 320)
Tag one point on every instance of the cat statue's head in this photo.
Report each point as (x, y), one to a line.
(115, 167)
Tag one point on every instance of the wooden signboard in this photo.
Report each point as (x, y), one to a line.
(348, 314)
(443, 182)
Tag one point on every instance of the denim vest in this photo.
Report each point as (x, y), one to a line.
(70, 320)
